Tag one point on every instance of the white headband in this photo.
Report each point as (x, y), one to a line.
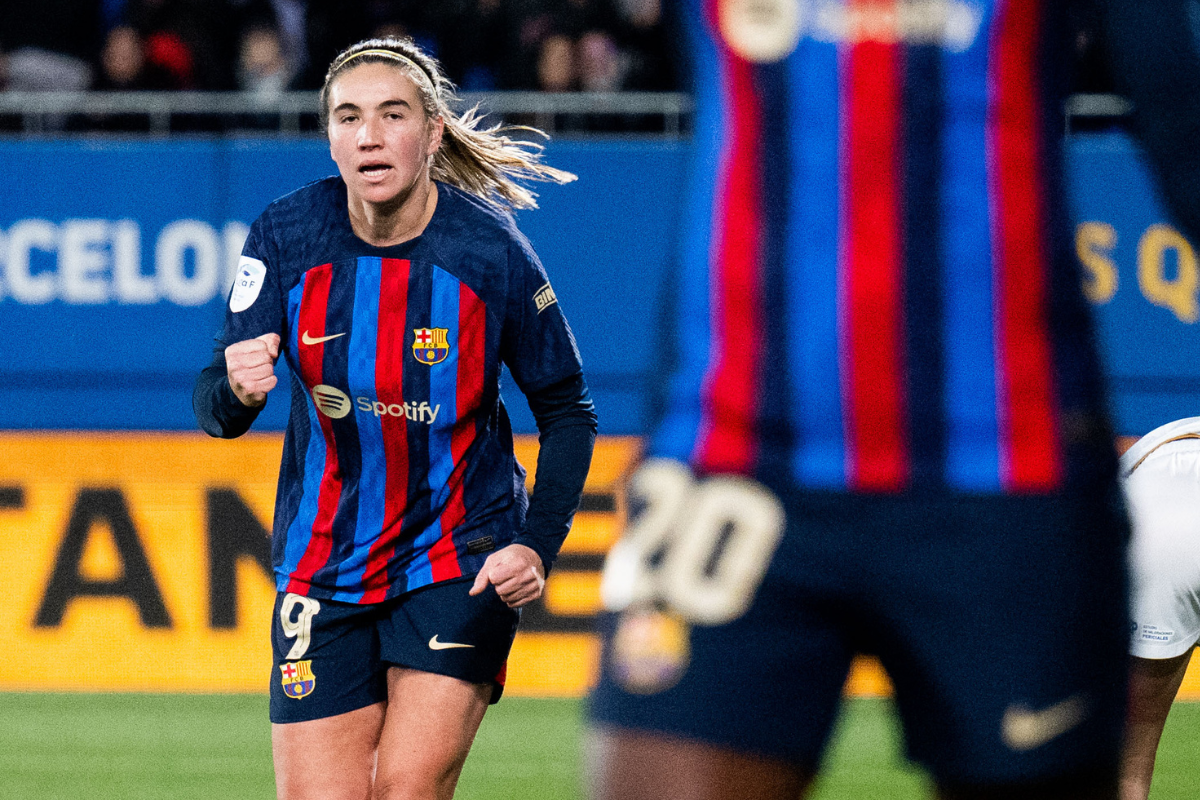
(393, 55)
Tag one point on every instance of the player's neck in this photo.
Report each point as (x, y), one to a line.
(386, 224)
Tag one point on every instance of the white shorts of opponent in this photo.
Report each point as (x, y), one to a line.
(1161, 475)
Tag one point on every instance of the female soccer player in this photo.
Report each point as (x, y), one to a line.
(403, 539)
(886, 430)
(1161, 475)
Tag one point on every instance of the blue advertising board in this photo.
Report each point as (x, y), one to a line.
(116, 258)
(1142, 277)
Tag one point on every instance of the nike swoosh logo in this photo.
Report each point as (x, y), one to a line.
(318, 339)
(434, 644)
(1025, 729)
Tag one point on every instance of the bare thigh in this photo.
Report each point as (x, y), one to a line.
(430, 724)
(629, 765)
(330, 759)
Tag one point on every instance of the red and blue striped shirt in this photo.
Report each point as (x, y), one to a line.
(876, 233)
(398, 468)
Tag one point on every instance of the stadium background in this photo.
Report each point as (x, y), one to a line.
(137, 547)
(134, 529)
(139, 593)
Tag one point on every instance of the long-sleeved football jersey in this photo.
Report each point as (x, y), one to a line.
(398, 467)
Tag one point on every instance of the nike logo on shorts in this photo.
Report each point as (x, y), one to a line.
(306, 339)
(434, 644)
(1025, 729)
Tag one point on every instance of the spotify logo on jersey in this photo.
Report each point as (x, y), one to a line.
(333, 402)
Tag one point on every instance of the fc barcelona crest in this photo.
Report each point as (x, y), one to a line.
(430, 345)
(298, 679)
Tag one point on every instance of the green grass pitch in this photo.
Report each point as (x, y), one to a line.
(152, 747)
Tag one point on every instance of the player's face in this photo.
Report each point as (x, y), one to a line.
(379, 134)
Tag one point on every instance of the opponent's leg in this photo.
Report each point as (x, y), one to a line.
(430, 724)
(332, 758)
(1153, 684)
(630, 765)
(1163, 493)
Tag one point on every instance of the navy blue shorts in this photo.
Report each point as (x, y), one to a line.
(1001, 620)
(333, 657)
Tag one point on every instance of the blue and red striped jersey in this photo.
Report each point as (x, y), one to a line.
(876, 239)
(398, 468)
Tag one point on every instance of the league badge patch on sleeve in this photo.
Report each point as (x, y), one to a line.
(430, 345)
(544, 298)
(248, 283)
(298, 679)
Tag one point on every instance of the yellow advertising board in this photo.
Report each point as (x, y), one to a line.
(113, 588)
(141, 562)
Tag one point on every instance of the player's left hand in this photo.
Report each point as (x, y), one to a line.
(516, 572)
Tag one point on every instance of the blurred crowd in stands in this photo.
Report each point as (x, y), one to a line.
(267, 47)
(274, 45)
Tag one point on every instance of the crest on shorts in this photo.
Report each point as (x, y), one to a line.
(298, 679)
(430, 345)
(651, 650)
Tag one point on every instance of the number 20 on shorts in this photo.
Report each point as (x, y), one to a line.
(701, 546)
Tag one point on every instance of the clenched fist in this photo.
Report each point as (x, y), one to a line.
(251, 368)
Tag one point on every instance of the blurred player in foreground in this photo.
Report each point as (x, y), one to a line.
(402, 546)
(1162, 486)
(886, 431)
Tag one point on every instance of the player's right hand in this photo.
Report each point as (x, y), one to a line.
(251, 368)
